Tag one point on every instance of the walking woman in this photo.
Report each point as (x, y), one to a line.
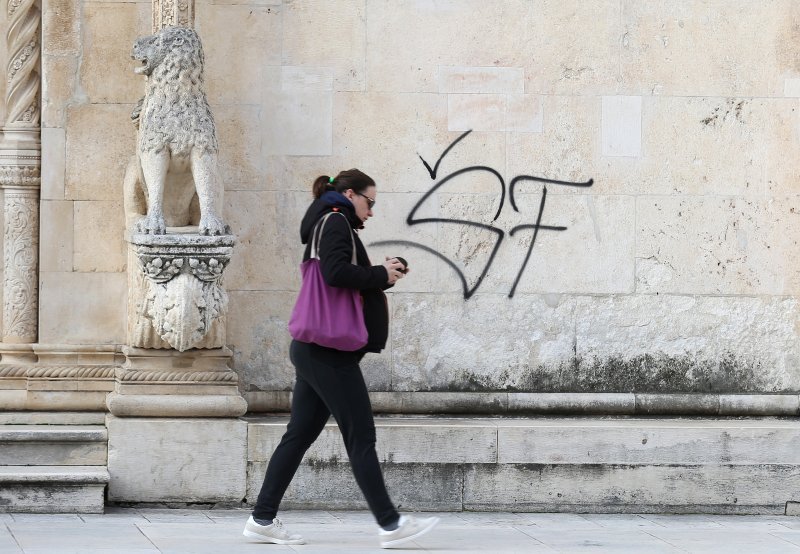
(329, 381)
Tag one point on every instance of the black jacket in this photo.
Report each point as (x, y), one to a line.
(335, 254)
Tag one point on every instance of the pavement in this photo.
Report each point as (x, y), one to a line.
(198, 531)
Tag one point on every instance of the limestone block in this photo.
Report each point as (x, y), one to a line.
(235, 61)
(452, 35)
(392, 130)
(687, 343)
(54, 151)
(572, 403)
(68, 315)
(59, 83)
(439, 344)
(631, 488)
(399, 441)
(759, 404)
(43, 445)
(241, 163)
(791, 88)
(98, 240)
(712, 245)
(185, 460)
(298, 123)
(52, 489)
(487, 80)
(259, 338)
(641, 441)
(268, 250)
(55, 240)
(622, 126)
(595, 253)
(429, 487)
(106, 69)
(327, 34)
(61, 27)
(716, 146)
(782, 134)
(565, 150)
(494, 112)
(100, 142)
(667, 49)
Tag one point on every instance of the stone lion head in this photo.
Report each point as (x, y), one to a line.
(180, 44)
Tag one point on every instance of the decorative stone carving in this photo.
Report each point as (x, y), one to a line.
(178, 298)
(20, 263)
(22, 39)
(174, 180)
(176, 13)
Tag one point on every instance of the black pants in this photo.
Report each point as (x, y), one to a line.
(328, 382)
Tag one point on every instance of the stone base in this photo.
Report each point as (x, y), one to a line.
(176, 460)
(52, 489)
(553, 465)
(168, 383)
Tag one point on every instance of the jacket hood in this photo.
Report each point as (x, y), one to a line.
(328, 202)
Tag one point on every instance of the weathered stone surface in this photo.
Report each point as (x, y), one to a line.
(52, 489)
(642, 441)
(488, 80)
(68, 315)
(96, 161)
(106, 73)
(631, 488)
(59, 83)
(399, 441)
(622, 126)
(61, 26)
(54, 151)
(95, 219)
(56, 236)
(236, 62)
(735, 246)
(62, 445)
(159, 460)
(437, 344)
(665, 48)
(453, 36)
(329, 35)
(428, 487)
(241, 161)
(693, 344)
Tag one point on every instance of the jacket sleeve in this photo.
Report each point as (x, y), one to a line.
(335, 254)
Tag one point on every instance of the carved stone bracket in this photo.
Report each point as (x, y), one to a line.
(177, 295)
(175, 13)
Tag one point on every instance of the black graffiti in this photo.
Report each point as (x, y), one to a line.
(499, 233)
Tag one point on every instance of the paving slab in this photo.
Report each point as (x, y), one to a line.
(602, 540)
(67, 538)
(7, 542)
(202, 538)
(726, 540)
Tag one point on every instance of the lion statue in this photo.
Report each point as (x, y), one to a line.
(173, 179)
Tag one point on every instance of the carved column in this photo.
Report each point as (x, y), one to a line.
(20, 160)
(175, 13)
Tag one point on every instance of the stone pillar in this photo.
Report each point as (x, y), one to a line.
(176, 13)
(20, 160)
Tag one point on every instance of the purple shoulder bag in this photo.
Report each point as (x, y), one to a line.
(325, 315)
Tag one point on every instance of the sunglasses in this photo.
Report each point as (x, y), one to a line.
(370, 201)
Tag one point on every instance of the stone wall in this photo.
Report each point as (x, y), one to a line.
(674, 271)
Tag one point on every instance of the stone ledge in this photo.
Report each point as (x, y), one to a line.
(62, 433)
(54, 474)
(569, 403)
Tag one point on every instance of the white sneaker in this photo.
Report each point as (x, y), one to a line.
(273, 533)
(409, 528)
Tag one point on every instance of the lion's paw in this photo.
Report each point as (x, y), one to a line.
(151, 225)
(212, 225)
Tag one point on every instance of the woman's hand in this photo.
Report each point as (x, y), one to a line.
(394, 269)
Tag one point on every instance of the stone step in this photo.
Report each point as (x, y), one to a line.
(53, 445)
(52, 489)
(554, 464)
(52, 418)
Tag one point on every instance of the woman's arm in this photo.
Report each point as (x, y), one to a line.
(335, 254)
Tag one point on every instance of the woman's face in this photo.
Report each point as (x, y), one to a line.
(362, 201)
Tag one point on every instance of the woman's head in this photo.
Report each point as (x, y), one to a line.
(355, 185)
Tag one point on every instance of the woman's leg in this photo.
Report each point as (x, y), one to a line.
(308, 418)
(338, 380)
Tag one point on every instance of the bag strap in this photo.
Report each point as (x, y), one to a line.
(316, 236)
